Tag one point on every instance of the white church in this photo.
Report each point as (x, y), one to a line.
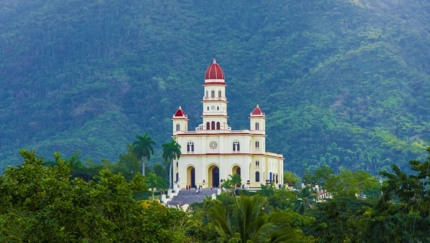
(213, 151)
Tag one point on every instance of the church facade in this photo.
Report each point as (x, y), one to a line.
(213, 151)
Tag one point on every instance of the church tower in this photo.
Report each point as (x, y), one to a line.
(214, 151)
(180, 121)
(214, 99)
(257, 120)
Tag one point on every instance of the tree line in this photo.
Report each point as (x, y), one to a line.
(58, 201)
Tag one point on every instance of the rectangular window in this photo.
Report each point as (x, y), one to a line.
(190, 147)
(236, 146)
(257, 144)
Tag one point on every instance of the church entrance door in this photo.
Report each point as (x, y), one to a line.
(236, 170)
(191, 180)
(213, 174)
(215, 177)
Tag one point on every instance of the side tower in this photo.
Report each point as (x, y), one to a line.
(214, 100)
(180, 121)
(257, 120)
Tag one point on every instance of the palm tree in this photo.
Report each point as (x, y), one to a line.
(305, 199)
(171, 151)
(143, 149)
(236, 179)
(247, 221)
(155, 183)
(232, 182)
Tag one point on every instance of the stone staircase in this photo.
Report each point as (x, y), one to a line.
(189, 196)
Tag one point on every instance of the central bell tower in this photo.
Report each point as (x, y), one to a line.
(214, 99)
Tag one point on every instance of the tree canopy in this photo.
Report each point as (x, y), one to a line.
(44, 204)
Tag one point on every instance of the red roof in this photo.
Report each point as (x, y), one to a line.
(257, 112)
(180, 112)
(214, 71)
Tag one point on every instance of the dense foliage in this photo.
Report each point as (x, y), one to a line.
(343, 83)
(42, 201)
(43, 204)
(399, 212)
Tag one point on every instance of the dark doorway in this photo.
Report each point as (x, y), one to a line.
(193, 177)
(238, 172)
(215, 177)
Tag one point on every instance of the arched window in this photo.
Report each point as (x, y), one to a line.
(217, 108)
(218, 126)
(257, 144)
(178, 127)
(208, 126)
(213, 93)
(207, 108)
(236, 146)
(257, 126)
(219, 93)
(257, 176)
(213, 125)
(190, 147)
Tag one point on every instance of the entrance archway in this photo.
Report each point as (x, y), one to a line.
(213, 175)
(236, 170)
(191, 176)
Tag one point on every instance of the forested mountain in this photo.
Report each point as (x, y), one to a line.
(343, 83)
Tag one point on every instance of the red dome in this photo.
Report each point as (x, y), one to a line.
(180, 113)
(257, 112)
(214, 71)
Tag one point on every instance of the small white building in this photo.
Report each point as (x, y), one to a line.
(213, 151)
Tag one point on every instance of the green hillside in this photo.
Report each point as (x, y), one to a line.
(343, 83)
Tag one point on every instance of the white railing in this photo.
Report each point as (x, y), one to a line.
(214, 98)
(212, 131)
(202, 128)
